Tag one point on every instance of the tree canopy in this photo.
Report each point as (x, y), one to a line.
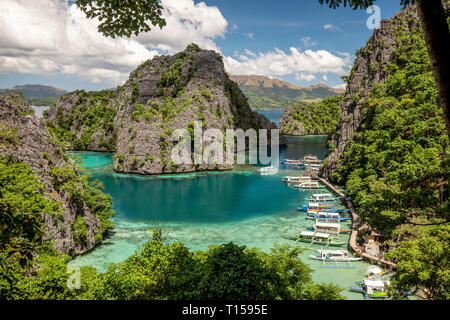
(357, 4)
(123, 17)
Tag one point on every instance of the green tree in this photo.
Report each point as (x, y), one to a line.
(123, 17)
(437, 37)
(171, 271)
(294, 281)
(423, 263)
(230, 273)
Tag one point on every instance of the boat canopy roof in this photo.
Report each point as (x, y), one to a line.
(375, 283)
(320, 195)
(328, 214)
(307, 233)
(322, 235)
(328, 225)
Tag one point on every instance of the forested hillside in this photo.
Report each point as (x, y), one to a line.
(392, 153)
(312, 118)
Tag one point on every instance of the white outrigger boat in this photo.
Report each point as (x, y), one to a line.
(268, 171)
(335, 256)
(333, 217)
(317, 207)
(330, 228)
(308, 185)
(310, 159)
(323, 197)
(375, 289)
(292, 179)
(317, 238)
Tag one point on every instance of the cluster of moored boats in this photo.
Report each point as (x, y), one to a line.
(304, 182)
(325, 231)
(328, 227)
(308, 161)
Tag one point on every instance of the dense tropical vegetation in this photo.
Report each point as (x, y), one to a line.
(397, 167)
(91, 115)
(169, 271)
(315, 117)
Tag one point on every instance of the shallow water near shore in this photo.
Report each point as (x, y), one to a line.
(203, 209)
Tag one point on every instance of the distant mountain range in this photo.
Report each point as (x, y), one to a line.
(266, 93)
(36, 94)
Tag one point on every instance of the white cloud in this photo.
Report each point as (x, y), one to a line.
(325, 78)
(54, 39)
(279, 63)
(187, 22)
(331, 27)
(307, 42)
(249, 35)
(249, 53)
(305, 77)
(340, 86)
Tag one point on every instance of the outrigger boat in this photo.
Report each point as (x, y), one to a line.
(374, 289)
(289, 162)
(318, 207)
(331, 228)
(268, 171)
(323, 197)
(310, 159)
(326, 217)
(291, 179)
(335, 256)
(308, 185)
(317, 238)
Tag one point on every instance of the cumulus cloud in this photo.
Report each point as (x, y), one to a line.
(187, 22)
(53, 38)
(296, 62)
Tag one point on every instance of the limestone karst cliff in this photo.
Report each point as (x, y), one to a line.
(163, 94)
(84, 209)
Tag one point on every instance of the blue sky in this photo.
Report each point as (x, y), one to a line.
(253, 35)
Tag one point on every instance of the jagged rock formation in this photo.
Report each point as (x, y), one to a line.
(161, 95)
(311, 118)
(25, 138)
(368, 70)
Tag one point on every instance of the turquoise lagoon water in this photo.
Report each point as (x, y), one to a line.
(203, 209)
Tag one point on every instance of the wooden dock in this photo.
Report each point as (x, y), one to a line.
(357, 225)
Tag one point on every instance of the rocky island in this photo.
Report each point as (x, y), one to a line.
(136, 120)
